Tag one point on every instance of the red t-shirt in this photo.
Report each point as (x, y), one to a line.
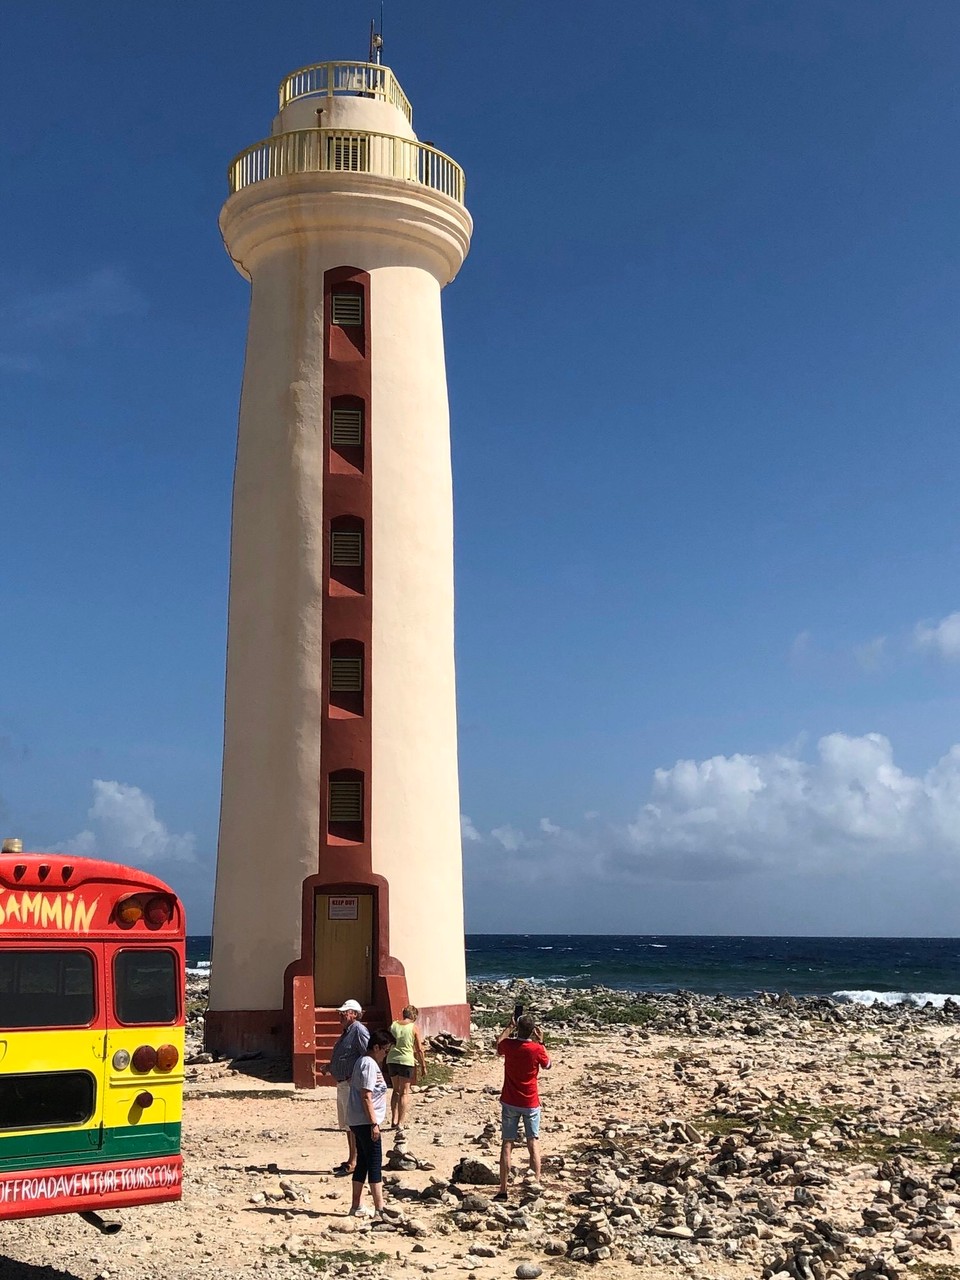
(522, 1060)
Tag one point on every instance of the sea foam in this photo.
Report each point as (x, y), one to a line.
(918, 998)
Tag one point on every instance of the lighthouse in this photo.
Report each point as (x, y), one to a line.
(339, 861)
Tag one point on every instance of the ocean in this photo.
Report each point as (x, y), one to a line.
(861, 970)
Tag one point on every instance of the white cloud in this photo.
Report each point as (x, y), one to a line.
(870, 656)
(850, 809)
(124, 827)
(509, 838)
(19, 363)
(941, 638)
(103, 294)
(743, 812)
(800, 646)
(75, 313)
(467, 830)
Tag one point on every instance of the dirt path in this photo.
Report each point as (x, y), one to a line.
(244, 1137)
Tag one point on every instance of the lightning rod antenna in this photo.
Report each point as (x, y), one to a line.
(376, 38)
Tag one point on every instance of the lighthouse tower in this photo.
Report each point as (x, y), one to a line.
(339, 863)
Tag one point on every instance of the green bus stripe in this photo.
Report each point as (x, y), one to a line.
(130, 1142)
(83, 1146)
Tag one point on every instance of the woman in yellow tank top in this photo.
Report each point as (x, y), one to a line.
(402, 1060)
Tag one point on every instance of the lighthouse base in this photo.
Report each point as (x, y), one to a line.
(232, 1033)
(454, 1018)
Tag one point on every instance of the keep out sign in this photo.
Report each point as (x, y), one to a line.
(342, 909)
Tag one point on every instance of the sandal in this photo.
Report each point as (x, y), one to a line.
(342, 1170)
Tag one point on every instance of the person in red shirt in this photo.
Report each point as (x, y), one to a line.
(520, 1044)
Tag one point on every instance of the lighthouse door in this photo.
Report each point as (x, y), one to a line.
(343, 949)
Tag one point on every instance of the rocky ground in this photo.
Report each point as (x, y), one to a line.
(764, 1139)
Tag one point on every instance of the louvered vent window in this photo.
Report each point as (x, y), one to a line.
(346, 427)
(346, 547)
(348, 309)
(346, 675)
(346, 801)
(348, 155)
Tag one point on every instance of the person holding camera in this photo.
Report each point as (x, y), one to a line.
(520, 1044)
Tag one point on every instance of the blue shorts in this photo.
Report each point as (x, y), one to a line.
(510, 1122)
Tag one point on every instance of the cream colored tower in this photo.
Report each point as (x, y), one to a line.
(339, 864)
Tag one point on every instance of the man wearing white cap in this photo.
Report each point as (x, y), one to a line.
(347, 1052)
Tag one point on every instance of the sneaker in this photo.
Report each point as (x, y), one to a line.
(501, 1196)
(361, 1211)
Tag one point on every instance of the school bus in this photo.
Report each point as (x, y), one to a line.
(91, 1036)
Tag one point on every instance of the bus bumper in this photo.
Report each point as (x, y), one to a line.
(77, 1188)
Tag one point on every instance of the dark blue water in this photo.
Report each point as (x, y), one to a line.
(861, 969)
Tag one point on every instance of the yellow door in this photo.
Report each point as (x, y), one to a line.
(343, 948)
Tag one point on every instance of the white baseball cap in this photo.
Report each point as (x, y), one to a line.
(352, 1005)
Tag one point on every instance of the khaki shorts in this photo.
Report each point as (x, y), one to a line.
(343, 1098)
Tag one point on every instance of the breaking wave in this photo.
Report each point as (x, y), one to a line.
(918, 998)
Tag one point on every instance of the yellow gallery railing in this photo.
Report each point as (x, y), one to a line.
(331, 151)
(363, 79)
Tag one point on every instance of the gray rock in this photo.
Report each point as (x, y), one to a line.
(528, 1271)
(475, 1172)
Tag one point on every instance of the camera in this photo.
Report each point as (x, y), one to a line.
(517, 1012)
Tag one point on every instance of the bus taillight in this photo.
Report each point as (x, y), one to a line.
(144, 1058)
(167, 1057)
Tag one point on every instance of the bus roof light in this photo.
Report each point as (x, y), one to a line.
(158, 911)
(130, 911)
(66, 873)
(44, 870)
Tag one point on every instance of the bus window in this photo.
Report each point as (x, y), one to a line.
(145, 986)
(44, 1099)
(46, 989)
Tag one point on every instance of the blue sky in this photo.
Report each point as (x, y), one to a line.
(703, 367)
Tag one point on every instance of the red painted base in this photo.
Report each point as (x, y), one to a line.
(78, 1188)
(230, 1032)
(435, 1018)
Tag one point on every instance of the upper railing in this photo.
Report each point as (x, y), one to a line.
(331, 151)
(362, 79)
